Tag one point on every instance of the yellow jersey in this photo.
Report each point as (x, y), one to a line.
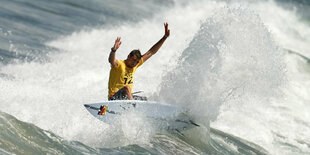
(121, 75)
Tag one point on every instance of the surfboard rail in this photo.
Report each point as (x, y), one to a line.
(162, 113)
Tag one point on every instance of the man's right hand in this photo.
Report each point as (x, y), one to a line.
(117, 44)
(112, 59)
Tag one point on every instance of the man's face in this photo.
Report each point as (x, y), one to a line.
(132, 61)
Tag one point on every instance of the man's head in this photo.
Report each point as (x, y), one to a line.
(133, 58)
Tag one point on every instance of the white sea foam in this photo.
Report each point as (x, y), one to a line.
(277, 122)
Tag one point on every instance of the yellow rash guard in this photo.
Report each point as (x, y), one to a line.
(121, 75)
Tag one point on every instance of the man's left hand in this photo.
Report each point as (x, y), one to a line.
(167, 31)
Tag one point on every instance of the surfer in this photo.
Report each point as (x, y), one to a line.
(122, 71)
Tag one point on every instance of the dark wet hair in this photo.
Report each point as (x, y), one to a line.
(136, 53)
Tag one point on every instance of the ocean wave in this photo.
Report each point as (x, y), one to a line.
(18, 137)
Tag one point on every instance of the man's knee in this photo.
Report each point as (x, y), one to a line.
(127, 89)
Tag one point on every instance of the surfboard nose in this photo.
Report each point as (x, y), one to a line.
(90, 107)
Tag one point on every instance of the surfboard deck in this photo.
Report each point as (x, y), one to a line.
(161, 113)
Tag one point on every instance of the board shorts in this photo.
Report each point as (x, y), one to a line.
(121, 95)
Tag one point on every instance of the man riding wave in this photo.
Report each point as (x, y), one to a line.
(122, 71)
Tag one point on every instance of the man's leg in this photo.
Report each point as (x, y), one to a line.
(122, 94)
(127, 91)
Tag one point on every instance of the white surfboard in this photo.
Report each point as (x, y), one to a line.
(172, 115)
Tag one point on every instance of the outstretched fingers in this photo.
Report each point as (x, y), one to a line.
(117, 43)
(118, 40)
(167, 31)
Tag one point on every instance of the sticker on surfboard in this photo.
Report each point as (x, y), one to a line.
(102, 110)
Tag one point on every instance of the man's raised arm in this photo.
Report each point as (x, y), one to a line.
(112, 59)
(156, 47)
